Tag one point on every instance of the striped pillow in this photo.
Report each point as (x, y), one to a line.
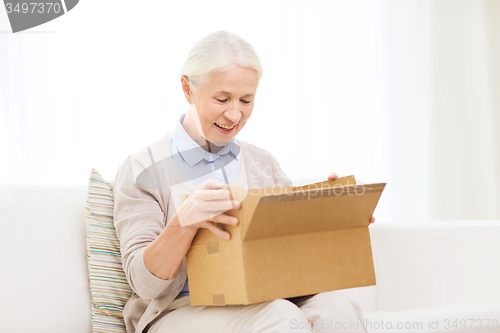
(109, 288)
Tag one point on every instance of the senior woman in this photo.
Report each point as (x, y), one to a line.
(201, 156)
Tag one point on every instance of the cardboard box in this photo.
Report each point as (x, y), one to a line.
(290, 242)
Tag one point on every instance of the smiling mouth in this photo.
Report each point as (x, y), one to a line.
(225, 127)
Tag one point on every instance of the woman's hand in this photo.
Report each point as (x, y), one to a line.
(333, 176)
(205, 209)
(202, 209)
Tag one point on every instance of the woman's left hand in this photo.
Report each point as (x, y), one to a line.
(333, 176)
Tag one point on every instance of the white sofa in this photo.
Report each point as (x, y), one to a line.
(428, 273)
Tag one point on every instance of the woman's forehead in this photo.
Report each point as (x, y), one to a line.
(233, 80)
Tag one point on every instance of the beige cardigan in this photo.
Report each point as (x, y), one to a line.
(142, 209)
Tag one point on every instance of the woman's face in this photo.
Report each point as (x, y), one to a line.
(224, 103)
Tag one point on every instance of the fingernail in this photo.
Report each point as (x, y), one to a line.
(227, 236)
(235, 221)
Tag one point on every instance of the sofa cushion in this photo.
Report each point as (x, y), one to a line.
(436, 264)
(44, 286)
(450, 319)
(108, 285)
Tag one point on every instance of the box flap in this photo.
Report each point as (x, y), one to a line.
(348, 180)
(253, 196)
(313, 209)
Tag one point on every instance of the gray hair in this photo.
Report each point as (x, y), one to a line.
(218, 52)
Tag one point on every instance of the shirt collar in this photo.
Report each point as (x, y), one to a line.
(191, 151)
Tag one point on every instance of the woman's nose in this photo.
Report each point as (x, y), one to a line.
(233, 114)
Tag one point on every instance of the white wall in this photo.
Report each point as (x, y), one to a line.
(404, 92)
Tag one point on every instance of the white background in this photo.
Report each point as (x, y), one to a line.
(403, 92)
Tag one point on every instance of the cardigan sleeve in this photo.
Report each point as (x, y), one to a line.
(139, 220)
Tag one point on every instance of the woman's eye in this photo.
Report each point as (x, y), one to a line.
(222, 100)
(246, 102)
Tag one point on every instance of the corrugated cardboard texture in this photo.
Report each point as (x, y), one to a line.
(216, 274)
(307, 264)
(291, 242)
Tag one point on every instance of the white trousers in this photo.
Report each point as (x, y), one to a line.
(324, 312)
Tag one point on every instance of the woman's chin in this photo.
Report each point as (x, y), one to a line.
(220, 141)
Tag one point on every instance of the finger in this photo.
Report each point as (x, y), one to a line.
(212, 184)
(219, 207)
(218, 231)
(372, 220)
(212, 195)
(332, 176)
(226, 219)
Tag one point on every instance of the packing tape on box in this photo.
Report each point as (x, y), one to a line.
(219, 299)
(213, 248)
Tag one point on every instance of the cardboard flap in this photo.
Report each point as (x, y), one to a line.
(348, 180)
(313, 208)
(253, 196)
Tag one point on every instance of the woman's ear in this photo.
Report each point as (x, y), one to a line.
(187, 89)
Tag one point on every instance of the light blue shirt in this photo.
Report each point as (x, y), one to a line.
(197, 165)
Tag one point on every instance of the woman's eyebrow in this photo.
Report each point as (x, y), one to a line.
(228, 93)
(223, 92)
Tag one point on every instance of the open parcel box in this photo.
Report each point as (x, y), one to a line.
(290, 242)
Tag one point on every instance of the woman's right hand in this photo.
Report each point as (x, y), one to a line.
(205, 208)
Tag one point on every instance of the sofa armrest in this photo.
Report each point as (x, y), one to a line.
(439, 263)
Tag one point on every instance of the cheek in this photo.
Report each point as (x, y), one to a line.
(214, 112)
(246, 113)
(208, 110)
